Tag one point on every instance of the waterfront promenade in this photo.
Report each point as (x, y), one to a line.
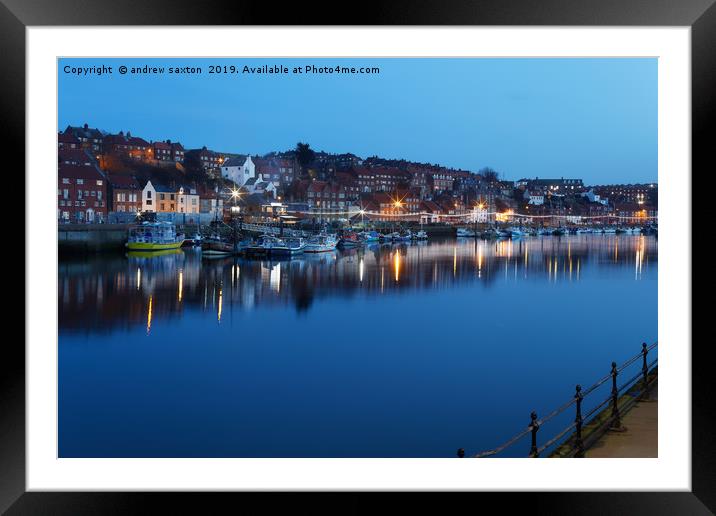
(640, 440)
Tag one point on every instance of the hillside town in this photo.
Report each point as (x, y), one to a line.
(105, 177)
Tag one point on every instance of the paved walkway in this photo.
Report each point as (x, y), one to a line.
(641, 437)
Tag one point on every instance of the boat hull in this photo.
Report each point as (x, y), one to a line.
(149, 246)
(319, 249)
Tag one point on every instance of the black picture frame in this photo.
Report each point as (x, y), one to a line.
(16, 15)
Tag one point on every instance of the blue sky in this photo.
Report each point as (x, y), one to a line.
(590, 118)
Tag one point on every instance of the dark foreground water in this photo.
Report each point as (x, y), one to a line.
(395, 351)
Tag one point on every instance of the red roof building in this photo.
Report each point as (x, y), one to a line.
(88, 137)
(67, 141)
(125, 193)
(127, 145)
(81, 194)
(326, 196)
(75, 156)
(161, 151)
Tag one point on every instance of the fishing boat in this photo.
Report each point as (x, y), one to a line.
(404, 237)
(321, 243)
(558, 231)
(154, 236)
(273, 246)
(216, 246)
(349, 239)
(504, 233)
(466, 232)
(192, 241)
(516, 232)
(420, 235)
(369, 236)
(390, 237)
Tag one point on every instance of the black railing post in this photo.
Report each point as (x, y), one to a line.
(616, 419)
(535, 426)
(645, 371)
(461, 452)
(578, 443)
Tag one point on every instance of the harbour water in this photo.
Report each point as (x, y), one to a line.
(404, 350)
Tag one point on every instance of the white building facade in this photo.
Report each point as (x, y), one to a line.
(239, 172)
(187, 200)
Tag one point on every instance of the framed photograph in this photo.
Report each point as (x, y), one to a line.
(423, 255)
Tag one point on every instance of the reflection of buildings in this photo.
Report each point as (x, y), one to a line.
(137, 290)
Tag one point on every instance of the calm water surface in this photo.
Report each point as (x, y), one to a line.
(393, 351)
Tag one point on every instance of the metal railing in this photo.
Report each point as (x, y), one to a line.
(578, 442)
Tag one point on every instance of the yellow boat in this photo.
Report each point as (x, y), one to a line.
(152, 254)
(154, 236)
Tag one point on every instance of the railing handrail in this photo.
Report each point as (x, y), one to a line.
(536, 423)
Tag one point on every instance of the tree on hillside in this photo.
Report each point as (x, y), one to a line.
(489, 175)
(305, 155)
(193, 168)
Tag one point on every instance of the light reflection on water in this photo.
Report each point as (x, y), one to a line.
(368, 342)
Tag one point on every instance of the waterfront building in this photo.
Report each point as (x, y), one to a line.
(81, 194)
(211, 202)
(430, 212)
(125, 194)
(159, 198)
(187, 200)
(324, 196)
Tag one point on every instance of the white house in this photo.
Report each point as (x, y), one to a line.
(187, 200)
(593, 197)
(256, 185)
(239, 171)
(535, 197)
(149, 197)
(478, 215)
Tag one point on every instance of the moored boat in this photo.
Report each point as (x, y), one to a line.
(273, 246)
(154, 236)
(214, 245)
(370, 236)
(321, 243)
(349, 239)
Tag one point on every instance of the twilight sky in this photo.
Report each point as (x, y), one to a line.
(595, 119)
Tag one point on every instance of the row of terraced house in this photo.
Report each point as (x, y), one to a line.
(88, 194)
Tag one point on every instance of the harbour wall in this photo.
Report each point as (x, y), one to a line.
(91, 238)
